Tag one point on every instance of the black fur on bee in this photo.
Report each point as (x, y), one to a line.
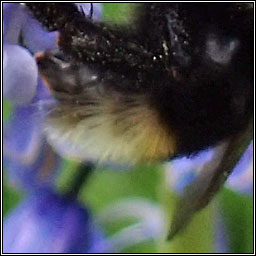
(189, 64)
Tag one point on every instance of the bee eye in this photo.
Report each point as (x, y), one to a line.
(51, 60)
(62, 73)
(221, 51)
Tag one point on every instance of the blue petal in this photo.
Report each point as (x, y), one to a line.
(241, 179)
(39, 173)
(97, 9)
(23, 135)
(20, 75)
(48, 223)
(184, 180)
(36, 38)
(244, 163)
(221, 234)
(29, 160)
(14, 17)
(181, 172)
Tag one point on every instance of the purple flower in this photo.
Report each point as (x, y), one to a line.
(20, 71)
(181, 172)
(24, 144)
(18, 23)
(221, 234)
(86, 8)
(49, 223)
(29, 160)
(149, 222)
(19, 75)
(241, 179)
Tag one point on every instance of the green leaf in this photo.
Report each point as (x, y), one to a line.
(11, 197)
(237, 212)
(106, 186)
(118, 13)
(7, 109)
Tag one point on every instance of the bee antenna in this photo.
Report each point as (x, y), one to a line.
(91, 11)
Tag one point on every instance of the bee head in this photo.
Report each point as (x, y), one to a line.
(192, 63)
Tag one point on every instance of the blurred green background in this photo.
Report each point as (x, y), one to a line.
(106, 186)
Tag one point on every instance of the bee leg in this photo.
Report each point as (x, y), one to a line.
(211, 178)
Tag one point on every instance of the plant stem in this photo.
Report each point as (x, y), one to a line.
(82, 173)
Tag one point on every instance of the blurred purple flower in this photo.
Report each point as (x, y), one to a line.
(19, 25)
(149, 222)
(19, 75)
(24, 143)
(33, 171)
(20, 71)
(86, 8)
(221, 234)
(49, 223)
(28, 159)
(181, 172)
(241, 179)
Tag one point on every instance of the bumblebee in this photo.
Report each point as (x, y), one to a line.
(176, 80)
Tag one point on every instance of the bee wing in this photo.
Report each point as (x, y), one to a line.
(210, 180)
